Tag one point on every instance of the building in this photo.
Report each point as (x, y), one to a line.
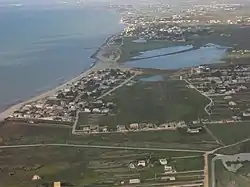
(57, 184)
(141, 163)
(163, 161)
(134, 181)
(232, 103)
(36, 177)
(168, 169)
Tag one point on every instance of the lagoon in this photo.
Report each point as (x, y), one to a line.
(205, 55)
(168, 50)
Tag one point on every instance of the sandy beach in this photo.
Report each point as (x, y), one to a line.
(100, 63)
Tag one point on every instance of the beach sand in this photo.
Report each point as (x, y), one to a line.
(100, 63)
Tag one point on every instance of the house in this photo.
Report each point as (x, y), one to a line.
(193, 131)
(121, 128)
(163, 161)
(96, 110)
(141, 163)
(87, 110)
(86, 129)
(57, 184)
(105, 111)
(134, 181)
(134, 126)
(168, 178)
(232, 103)
(104, 129)
(168, 169)
(36, 177)
(246, 114)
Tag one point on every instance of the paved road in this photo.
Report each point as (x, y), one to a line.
(219, 157)
(100, 147)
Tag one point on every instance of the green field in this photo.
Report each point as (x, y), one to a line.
(157, 139)
(155, 102)
(188, 164)
(232, 132)
(76, 166)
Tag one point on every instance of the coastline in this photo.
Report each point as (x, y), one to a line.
(98, 64)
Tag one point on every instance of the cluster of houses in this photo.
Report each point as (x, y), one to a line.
(174, 24)
(159, 30)
(187, 127)
(224, 82)
(83, 95)
(221, 81)
(148, 163)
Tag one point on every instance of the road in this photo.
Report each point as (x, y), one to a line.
(119, 86)
(100, 147)
(213, 136)
(210, 99)
(206, 184)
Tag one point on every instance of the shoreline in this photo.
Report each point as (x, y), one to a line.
(98, 64)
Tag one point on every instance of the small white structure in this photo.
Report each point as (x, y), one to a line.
(193, 131)
(87, 110)
(168, 169)
(134, 181)
(168, 178)
(246, 114)
(163, 161)
(232, 103)
(141, 163)
(36, 177)
(105, 111)
(96, 110)
(134, 126)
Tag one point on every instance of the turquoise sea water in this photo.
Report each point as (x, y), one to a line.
(40, 49)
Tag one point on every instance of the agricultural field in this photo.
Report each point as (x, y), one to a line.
(22, 134)
(230, 133)
(156, 102)
(98, 167)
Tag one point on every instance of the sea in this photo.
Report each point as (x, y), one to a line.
(43, 48)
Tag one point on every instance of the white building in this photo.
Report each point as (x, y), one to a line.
(134, 181)
(163, 161)
(141, 163)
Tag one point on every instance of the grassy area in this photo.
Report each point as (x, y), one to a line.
(156, 102)
(188, 164)
(157, 139)
(231, 133)
(131, 49)
(75, 166)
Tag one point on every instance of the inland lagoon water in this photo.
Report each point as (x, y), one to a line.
(205, 55)
(42, 48)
